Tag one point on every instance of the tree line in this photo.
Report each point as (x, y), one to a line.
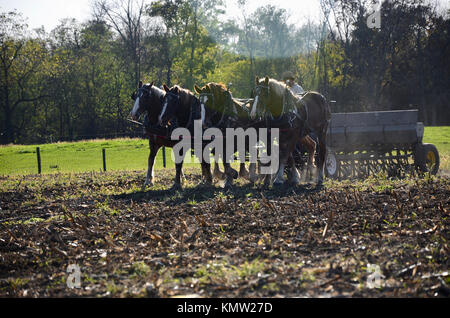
(76, 80)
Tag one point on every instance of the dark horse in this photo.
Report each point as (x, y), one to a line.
(179, 110)
(148, 98)
(180, 104)
(273, 98)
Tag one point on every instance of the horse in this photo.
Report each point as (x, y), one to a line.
(229, 113)
(179, 105)
(148, 99)
(176, 111)
(273, 97)
(282, 113)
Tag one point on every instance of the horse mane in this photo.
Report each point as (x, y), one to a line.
(213, 85)
(276, 86)
(158, 91)
(185, 95)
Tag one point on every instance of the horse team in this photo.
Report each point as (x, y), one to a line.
(272, 105)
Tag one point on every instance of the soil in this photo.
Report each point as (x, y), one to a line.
(371, 238)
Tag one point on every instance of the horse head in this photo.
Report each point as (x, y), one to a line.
(170, 105)
(206, 97)
(261, 95)
(141, 100)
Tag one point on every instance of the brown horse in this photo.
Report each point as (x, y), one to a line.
(180, 108)
(148, 98)
(230, 113)
(180, 105)
(273, 98)
(274, 102)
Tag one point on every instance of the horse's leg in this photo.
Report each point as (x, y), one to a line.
(178, 172)
(219, 175)
(206, 172)
(286, 158)
(283, 157)
(243, 173)
(279, 177)
(230, 174)
(310, 145)
(294, 175)
(253, 176)
(154, 147)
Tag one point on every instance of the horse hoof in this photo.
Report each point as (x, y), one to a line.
(228, 186)
(145, 185)
(244, 175)
(253, 178)
(278, 182)
(293, 183)
(176, 187)
(219, 176)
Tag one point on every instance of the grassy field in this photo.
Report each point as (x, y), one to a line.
(440, 137)
(83, 156)
(128, 154)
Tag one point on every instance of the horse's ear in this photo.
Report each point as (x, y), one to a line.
(197, 89)
(140, 84)
(257, 80)
(167, 89)
(176, 90)
(151, 84)
(266, 81)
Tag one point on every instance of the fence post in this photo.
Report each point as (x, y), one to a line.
(164, 156)
(104, 159)
(38, 153)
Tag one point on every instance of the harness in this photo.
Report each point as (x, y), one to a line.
(148, 127)
(289, 112)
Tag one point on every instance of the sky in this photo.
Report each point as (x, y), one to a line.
(48, 13)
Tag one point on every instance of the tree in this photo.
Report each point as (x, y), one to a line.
(126, 17)
(21, 60)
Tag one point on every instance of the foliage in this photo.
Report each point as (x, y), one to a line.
(75, 81)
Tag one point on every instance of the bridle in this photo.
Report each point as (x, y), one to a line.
(229, 101)
(140, 94)
(175, 108)
(258, 89)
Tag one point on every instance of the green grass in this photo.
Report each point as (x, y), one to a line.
(440, 137)
(83, 156)
(129, 154)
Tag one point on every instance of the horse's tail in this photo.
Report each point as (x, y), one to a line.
(323, 103)
(327, 109)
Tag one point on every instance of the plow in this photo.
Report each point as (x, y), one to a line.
(366, 143)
